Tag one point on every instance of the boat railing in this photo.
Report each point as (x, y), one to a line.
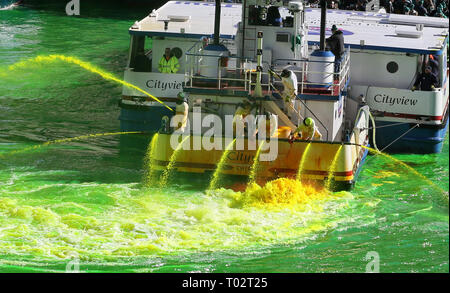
(339, 78)
(228, 72)
(240, 73)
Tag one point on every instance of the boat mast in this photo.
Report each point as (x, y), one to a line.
(244, 20)
(217, 23)
(323, 22)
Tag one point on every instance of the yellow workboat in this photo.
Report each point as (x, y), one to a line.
(316, 163)
(219, 80)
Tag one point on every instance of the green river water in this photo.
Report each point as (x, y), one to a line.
(85, 200)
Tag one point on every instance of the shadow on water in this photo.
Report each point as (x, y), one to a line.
(101, 160)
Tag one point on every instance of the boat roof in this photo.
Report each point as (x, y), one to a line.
(363, 30)
(381, 31)
(196, 18)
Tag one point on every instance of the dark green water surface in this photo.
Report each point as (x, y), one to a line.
(84, 200)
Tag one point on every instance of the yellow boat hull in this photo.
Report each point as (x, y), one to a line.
(316, 164)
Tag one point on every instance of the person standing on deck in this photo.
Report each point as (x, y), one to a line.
(168, 63)
(290, 90)
(336, 45)
(434, 64)
(426, 80)
(181, 112)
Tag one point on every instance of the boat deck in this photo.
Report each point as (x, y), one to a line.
(332, 92)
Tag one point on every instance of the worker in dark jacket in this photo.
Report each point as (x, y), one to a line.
(426, 80)
(434, 64)
(336, 45)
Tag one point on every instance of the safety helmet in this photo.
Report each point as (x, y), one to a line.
(181, 98)
(308, 121)
(285, 73)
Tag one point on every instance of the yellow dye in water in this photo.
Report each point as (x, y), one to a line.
(255, 165)
(166, 173)
(65, 140)
(281, 192)
(332, 169)
(302, 162)
(85, 65)
(167, 221)
(216, 176)
(377, 152)
(385, 174)
(148, 165)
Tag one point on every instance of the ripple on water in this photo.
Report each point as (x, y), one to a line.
(150, 222)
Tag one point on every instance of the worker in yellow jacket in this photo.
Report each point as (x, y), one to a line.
(308, 130)
(168, 63)
(181, 112)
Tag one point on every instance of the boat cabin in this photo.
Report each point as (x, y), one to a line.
(177, 25)
(388, 52)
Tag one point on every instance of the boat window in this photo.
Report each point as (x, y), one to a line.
(283, 38)
(392, 67)
(274, 16)
(256, 15)
(140, 54)
(288, 21)
(268, 16)
(177, 52)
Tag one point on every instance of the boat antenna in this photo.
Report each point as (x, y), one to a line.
(323, 23)
(217, 23)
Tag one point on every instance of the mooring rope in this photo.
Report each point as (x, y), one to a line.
(383, 126)
(406, 132)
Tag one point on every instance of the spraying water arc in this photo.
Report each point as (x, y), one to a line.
(85, 65)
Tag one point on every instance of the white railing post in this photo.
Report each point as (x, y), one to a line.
(191, 70)
(245, 80)
(220, 72)
(303, 76)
